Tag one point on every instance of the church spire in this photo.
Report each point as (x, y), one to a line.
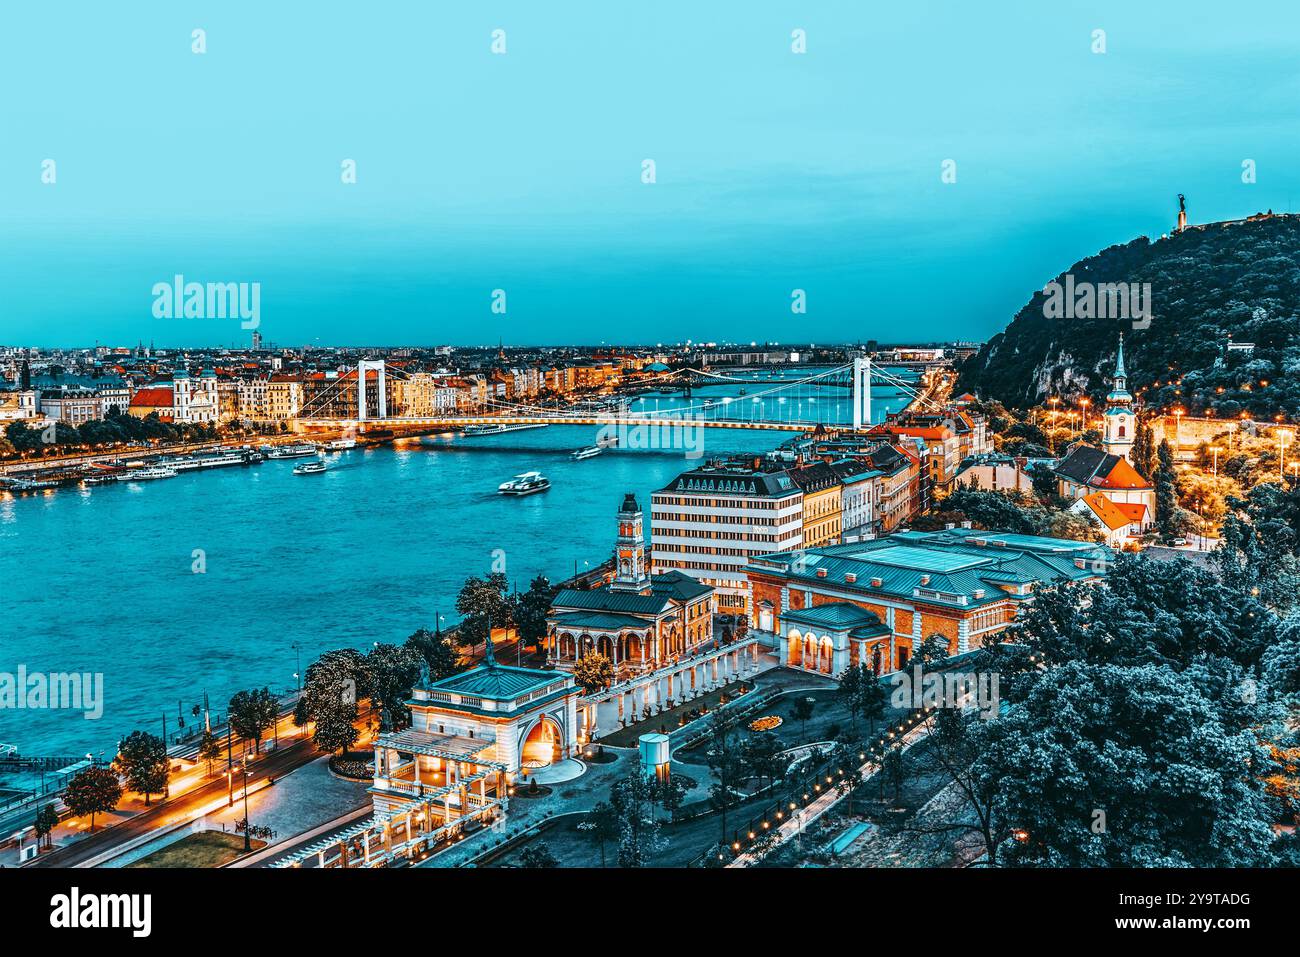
(1119, 360)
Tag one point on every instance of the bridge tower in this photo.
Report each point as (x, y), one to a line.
(861, 392)
(364, 366)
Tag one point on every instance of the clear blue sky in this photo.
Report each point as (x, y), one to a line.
(775, 171)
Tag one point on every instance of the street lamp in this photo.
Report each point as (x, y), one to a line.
(1283, 437)
(248, 846)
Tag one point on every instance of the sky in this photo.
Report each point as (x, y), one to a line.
(522, 171)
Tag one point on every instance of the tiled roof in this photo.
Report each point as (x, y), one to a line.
(1086, 465)
(599, 620)
(960, 562)
(1105, 510)
(152, 398)
(837, 616)
(678, 585)
(601, 599)
(500, 683)
(1121, 475)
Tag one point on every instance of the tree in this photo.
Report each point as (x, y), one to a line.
(391, 672)
(728, 768)
(670, 793)
(538, 855)
(531, 609)
(851, 690)
(336, 680)
(1166, 492)
(47, 819)
(335, 731)
(875, 696)
(1143, 453)
(482, 603)
(142, 761)
(92, 791)
(954, 744)
(803, 710)
(593, 672)
(633, 802)
(436, 649)
(1111, 766)
(250, 713)
(762, 758)
(209, 748)
(601, 825)
(893, 770)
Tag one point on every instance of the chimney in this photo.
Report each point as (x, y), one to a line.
(948, 526)
(925, 579)
(965, 524)
(850, 577)
(821, 573)
(877, 582)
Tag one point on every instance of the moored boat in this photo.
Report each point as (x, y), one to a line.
(291, 452)
(148, 474)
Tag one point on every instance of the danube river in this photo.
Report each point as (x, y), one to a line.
(102, 579)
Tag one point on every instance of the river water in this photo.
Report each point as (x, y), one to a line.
(102, 579)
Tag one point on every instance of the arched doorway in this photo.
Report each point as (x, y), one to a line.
(543, 745)
(794, 645)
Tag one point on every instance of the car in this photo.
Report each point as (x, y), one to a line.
(1179, 542)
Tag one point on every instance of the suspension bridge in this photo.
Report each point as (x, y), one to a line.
(671, 400)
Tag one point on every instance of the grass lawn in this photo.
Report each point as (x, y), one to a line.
(203, 849)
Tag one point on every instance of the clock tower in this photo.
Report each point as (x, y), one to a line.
(631, 570)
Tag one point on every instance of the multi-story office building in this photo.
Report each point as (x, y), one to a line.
(708, 522)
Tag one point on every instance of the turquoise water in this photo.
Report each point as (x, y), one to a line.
(100, 579)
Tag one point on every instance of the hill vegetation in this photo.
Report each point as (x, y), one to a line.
(1238, 281)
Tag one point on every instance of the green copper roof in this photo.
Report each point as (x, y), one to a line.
(500, 683)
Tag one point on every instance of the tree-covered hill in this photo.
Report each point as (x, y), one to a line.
(1238, 281)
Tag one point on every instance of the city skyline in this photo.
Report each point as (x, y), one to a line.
(477, 171)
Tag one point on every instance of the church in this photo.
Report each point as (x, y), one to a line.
(1105, 477)
(638, 621)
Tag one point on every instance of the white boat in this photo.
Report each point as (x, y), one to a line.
(590, 451)
(291, 452)
(525, 483)
(147, 474)
(309, 468)
(472, 430)
(340, 445)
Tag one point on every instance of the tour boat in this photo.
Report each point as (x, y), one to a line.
(525, 483)
(484, 429)
(340, 445)
(291, 452)
(309, 468)
(589, 452)
(146, 474)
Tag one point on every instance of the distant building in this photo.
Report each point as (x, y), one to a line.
(876, 602)
(639, 621)
(708, 522)
(822, 503)
(1122, 522)
(471, 735)
(993, 472)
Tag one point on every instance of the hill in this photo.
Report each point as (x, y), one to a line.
(1238, 280)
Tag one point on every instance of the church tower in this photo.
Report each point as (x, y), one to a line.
(1120, 419)
(631, 571)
